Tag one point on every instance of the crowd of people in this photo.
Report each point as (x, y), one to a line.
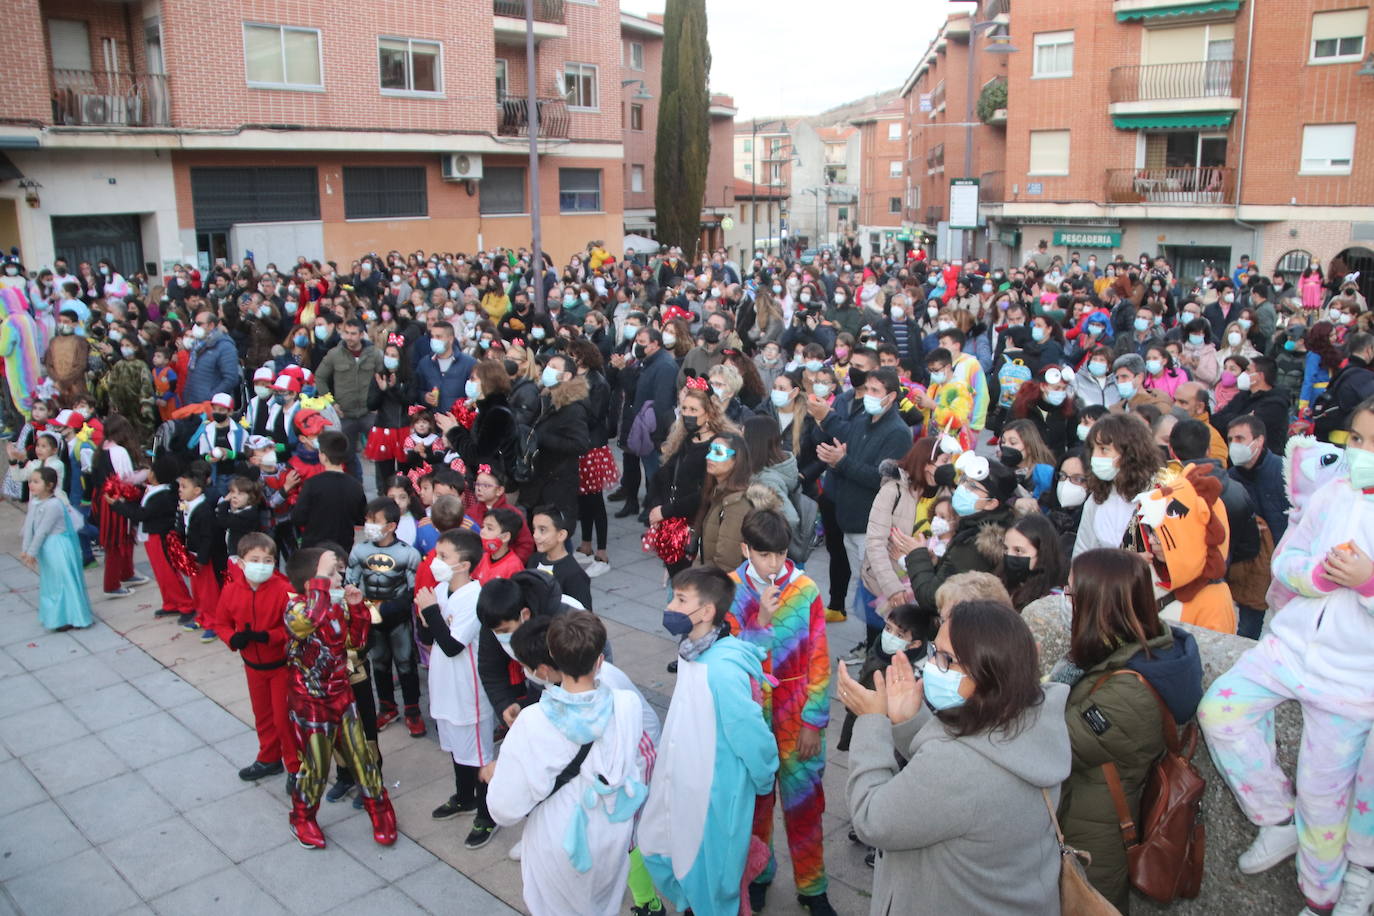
(953, 440)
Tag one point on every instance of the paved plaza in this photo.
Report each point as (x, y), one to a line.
(119, 793)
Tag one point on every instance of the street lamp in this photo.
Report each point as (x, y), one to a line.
(795, 159)
(642, 94)
(816, 193)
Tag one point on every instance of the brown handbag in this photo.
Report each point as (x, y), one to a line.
(1077, 896)
(1164, 855)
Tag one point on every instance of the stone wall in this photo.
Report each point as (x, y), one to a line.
(1224, 889)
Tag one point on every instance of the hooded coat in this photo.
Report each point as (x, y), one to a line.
(721, 522)
(975, 546)
(563, 434)
(963, 827)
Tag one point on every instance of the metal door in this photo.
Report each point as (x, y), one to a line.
(117, 237)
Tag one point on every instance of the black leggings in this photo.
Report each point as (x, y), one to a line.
(468, 787)
(839, 560)
(591, 508)
(384, 469)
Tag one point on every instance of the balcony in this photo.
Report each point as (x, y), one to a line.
(508, 19)
(1189, 185)
(1174, 10)
(934, 215)
(1204, 93)
(935, 159)
(992, 187)
(99, 98)
(514, 118)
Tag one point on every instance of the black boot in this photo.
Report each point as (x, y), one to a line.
(617, 495)
(630, 508)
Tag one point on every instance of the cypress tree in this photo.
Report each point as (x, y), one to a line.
(684, 125)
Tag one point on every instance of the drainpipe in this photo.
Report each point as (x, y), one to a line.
(1244, 118)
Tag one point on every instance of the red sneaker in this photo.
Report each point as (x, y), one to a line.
(416, 723)
(386, 714)
(308, 833)
(383, 819)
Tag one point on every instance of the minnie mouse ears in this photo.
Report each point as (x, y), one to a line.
(1056, 374)
(972, 466)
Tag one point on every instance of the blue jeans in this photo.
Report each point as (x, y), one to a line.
(651, 463)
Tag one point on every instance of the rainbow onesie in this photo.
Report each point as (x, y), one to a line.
(22, 341)
(799, 661)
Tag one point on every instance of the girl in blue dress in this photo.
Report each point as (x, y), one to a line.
(51, 549)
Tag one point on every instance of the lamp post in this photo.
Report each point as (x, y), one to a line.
(816, 193)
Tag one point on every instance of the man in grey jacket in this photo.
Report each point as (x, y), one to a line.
(346, 373)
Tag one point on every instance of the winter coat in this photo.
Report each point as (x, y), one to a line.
(721, 520)
(214, 369)
(1132, 739)
(854, 481)
(492, 437)
(1270, 406)
(392, 406)
(975, 546)
(1264, 483)
(781, 478)
(263, 334)
(429, 376)
(563, 435)
(658, 383)
(963, 827)
(348, 377)
(895, 506)
(525, 402)
(598, 407)
(1090, 391)
(676, 488)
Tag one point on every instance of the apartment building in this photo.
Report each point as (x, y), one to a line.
(1200, 130)
(153, 132)
(825, 181)
(883, 169)
(641, 89)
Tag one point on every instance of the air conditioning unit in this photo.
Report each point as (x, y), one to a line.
(461, 167)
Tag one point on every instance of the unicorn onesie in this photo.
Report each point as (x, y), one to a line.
(716, 756)
(22, 340)
(574, 855)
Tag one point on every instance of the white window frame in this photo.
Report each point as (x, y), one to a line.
(282, 29)
(748, 168)
(637, 172)
(1327, 165)
(1338, 58)
(894, 130)
(894, 169)
(630, 52)
(1056, 40)
(1067, 158)
(581, 70)
(747, 145)
(437, 93)
(503, 76)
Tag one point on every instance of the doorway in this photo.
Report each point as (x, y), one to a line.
(117, 237)
(1190, 262)
(1353, 259)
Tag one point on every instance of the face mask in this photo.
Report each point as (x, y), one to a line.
(937, 378)
(1104, 468)
(437, 346)
(1037, 334)
(104, 271)
(873, 405)
(891, 643)
(821, 390)
(1243, 382)
(932, 311)
(492, 545)
(805, 297)
(1071, 494)
(1011, 457)
(629, 331)
(258, 573)
(939, 527)
(290, 307)
(336, 595)
(779, 398)
(1056, 396)
(677, 623)
(1095, 330)
(814, 365)
(1290, 345)
(691, 423)
(322, 332)
(670, 340)
(372, 531)
(128, 352)
(549, 378)
(504, 640)
(1126, 389)
(839, 298)
(944, 325)
(987, 287)
(638, 351)
(777, 289)
(1241, 453)
(1016, 569)
(116, 335)
(1142, 324)
(569, 301)
(1361, 464)
(198, 332)
(442, 571)
(1152, 366)
(964, 502)
(942, 688)
(1244, 323)
(1228, 297)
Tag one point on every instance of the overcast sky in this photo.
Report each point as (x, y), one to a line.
(799, 57)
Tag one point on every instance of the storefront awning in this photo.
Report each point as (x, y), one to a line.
(1181, 9)
(1161, 121)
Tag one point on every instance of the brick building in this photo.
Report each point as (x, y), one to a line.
(641, 88)
(1203, 131)
(189, 129)
(883, 172)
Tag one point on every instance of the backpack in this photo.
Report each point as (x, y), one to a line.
(640, 440)
(803, 533)
(1164, 852)
(1010, 378)
(526, 453)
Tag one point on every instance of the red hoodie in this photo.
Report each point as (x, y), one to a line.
(522, 545)
(243, 607)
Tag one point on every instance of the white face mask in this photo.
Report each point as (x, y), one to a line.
(372, 531)
(939, 527)
(441, 571)
(892, 643)
(1070, 494)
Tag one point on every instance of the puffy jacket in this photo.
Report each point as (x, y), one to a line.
(721, 522)
(563, 435)
(1132, 738)
(348, 378)
(214, 369)
(781, 478)
(975, 546)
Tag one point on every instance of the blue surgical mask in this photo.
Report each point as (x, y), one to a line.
(779, 398)
(1055, 396)
(300, 340)
(537, 332)
(437, 346)
(1126, 390)
(258, 573)
(872, 405)
(941, 689)
(1195, 339)
(1142, 324)
(1097, 369)
(569, 301)
(472, 389)
(1152, 366)
(391, 363)
(814, 365)
(321, 332)
(821, 390)
(1037, 334)
(937, 378)
(290, 307)
(549, 377)
(964, 502)
(629, 332)
(677, 623)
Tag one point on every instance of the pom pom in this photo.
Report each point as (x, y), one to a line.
(668, 539)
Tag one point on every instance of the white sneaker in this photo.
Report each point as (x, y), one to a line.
(1357, 892)
(598, 568)
(514, 854)
(583, 558)
(1272, 845)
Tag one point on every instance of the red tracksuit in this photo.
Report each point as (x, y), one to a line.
(243, 607)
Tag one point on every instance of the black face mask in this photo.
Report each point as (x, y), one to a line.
(691, 424)
(857, 377)
(220, 417)
(1011, 457)
(639, 351)
(1016, 569)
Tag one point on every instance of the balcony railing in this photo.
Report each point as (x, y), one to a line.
(100, 98)
(515, 118)
(1161, 82)
(934, 214)
(1173, 185)
(991, 187)
(544, 10)
(935, 158)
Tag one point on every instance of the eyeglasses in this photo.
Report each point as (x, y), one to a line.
(940, 658)
(1080, 479)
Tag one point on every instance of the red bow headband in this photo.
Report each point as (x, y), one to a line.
(395, 340)
(484, 469)
(698, 384)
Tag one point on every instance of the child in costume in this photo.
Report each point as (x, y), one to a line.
(165, 384)
(249, 620)
(156, 517)
(1184, 527)
(1319, 650)
(779, 609)
(22, 343)
(195, 525)
(574, 765)
(258, 411)
(50, 549)
(717, 754)
(499, 561)
(326, 633)
(462, 714)
(220, 441)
